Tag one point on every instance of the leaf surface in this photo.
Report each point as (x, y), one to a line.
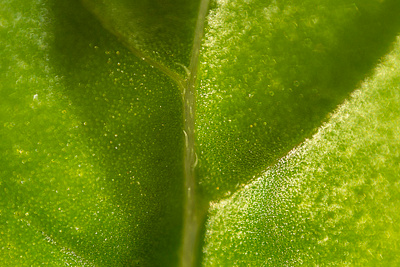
(333, 200)
(91, 147)
(97, 117)
(270, 72)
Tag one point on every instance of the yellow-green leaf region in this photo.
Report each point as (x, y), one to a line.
(334, 200)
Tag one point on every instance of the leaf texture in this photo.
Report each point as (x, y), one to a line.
(331, 201)
(91, 147)
(96, 124)
(271, 71)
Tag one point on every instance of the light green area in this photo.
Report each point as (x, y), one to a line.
(334, 200)
(91, 145)
(162, 30)
(270, 71)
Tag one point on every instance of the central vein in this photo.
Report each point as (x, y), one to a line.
(195, 211)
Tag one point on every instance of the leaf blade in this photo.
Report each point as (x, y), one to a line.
(270, 73)
(93, 144)
(333, 200)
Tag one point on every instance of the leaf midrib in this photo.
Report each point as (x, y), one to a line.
(194, 209)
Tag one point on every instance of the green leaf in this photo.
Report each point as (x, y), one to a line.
(91, 148)
(121, 122)
(270, 73)
(333, 200)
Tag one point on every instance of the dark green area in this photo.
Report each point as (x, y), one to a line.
(92, 145)
(270, 73)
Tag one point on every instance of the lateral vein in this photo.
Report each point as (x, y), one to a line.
(139, 54)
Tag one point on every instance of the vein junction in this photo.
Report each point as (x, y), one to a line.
(195, 210)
